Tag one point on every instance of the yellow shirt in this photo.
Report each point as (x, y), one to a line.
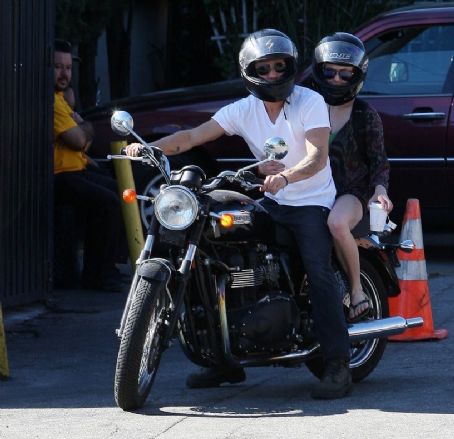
(65, 159)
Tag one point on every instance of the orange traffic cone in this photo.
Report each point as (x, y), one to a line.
(414, 299)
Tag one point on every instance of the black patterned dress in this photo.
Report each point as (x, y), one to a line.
(357, 154)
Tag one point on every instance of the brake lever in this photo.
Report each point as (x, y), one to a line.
(125, 157)
(248, 180)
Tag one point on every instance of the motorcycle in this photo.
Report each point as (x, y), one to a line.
(217, 273)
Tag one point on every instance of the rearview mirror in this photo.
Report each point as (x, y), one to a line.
(122, 123)
(275, 148)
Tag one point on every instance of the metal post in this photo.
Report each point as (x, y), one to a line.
(131, 215)
(4, 368)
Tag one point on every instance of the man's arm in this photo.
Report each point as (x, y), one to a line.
(184, 140)
(78, 138)
(315, 161)
(317, 156)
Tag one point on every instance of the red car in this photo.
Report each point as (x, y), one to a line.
(410, 82)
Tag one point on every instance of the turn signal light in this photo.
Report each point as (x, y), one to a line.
(129, 195)
(226, 220)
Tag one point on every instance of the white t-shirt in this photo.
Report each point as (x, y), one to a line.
(306, 110)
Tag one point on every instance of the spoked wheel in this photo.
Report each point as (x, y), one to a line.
(366, 354)
(141, 344)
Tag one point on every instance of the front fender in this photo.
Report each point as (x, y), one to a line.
(156, 269)
(383, 264)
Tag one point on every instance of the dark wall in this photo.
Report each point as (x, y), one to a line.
(26, 84)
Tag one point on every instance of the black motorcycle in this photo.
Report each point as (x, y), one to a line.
(220, 275)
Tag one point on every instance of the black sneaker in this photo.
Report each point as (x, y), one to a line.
(214, 377)
(336, 381)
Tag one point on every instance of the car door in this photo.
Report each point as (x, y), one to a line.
(450, 144)
(410, 83)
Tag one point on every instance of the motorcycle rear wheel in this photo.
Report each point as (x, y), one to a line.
(141, 344)
(364, 355)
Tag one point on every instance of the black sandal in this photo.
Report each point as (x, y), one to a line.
(363, 313)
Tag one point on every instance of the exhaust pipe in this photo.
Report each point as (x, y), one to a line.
(382, 328)
(358, 331)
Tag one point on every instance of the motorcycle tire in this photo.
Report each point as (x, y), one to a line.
(141, 344)
(366, 354)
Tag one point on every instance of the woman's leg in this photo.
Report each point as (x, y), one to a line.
(346, 213)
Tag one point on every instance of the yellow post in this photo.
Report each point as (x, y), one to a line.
(4, 368)
(131, 215)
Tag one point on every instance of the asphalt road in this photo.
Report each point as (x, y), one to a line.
(62, 365)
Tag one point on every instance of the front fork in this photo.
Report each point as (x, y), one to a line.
(183, 274)
(144, 255)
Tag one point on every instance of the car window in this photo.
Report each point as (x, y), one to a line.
(413, 60)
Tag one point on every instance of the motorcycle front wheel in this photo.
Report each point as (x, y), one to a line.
(366, 354)
(141, 344)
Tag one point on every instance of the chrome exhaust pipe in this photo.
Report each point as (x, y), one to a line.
(370, 329)
(382, 328)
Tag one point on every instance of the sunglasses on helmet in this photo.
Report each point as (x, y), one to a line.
(344, 74)
(264, 69)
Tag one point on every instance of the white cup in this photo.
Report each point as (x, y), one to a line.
(378, 217)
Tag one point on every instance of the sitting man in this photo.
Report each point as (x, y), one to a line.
(298, 196)
(93, 194)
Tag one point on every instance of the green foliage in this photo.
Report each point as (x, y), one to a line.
(80, 21)
(304, 21)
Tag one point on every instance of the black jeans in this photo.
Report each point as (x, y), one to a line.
(310, 231)
(95, 197)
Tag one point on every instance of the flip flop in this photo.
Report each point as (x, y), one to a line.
(363, 313)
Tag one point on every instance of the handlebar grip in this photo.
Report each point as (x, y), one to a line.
(250, 177)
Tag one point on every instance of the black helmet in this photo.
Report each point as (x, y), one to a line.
(264, 44)
(344, 49)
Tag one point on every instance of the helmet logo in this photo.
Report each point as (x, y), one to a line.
(269, 44)
(341, 56)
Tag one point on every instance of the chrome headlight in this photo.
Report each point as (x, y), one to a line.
(176, 207)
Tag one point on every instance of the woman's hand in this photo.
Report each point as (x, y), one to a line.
(271, 168)
(381, 196)
(133, 149)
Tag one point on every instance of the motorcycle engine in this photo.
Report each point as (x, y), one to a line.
(261, 317)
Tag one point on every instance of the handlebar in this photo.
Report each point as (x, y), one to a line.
(245, 179)
(142, 151)
(152, 155)
(148, 154)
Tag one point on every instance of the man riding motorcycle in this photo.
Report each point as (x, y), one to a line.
(300, 197)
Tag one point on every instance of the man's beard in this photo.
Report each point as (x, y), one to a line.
(59, 87)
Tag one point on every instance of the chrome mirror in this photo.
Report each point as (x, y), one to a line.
(275, 148)
(122, 123)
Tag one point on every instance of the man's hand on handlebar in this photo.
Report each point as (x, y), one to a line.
(133, 149)
(273, 184)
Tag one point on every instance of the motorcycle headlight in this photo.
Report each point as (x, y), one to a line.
(176, 207)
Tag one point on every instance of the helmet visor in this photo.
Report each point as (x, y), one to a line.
(341, 53)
